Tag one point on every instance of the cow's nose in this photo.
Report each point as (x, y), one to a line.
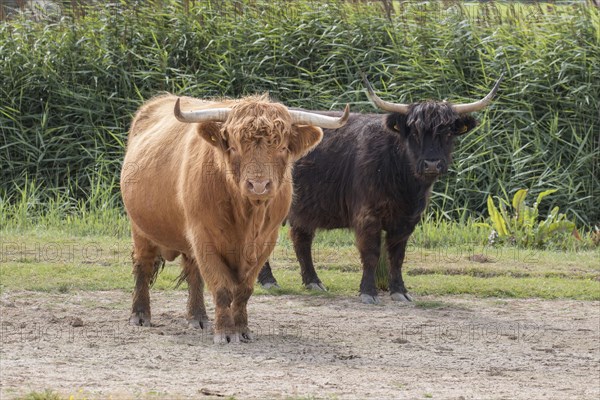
(433, 166)
(259, 186)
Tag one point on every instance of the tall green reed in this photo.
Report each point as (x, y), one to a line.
(69, 86)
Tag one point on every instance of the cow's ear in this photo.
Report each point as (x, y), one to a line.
(464, 124)
(303, 139)
(397, 123)
(211, 132)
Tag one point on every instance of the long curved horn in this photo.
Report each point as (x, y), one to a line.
(383, 105)
(323, 121)
(478, 105)
(210, 114)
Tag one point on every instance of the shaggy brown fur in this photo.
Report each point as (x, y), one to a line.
(190, 194)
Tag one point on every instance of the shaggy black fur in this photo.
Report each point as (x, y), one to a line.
(374, 174)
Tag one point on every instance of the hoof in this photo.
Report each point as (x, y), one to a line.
(246, 336)
(140, 319)
(318, 286)
(199, 323)
(270, 285)
(224, 338)
(401, 297)
(368, 299)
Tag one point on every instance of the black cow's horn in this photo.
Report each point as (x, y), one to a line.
(209, 114)
(478, 105)
(459, 108)
(383, 105)
(323, 121)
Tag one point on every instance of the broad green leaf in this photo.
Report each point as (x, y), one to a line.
(528, 217)
(561, 227)
(497, 219)
(544, 194)
(541, 233)
(518, 204)
(552, 216)
(503, 211)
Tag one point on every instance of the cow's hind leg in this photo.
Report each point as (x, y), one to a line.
(266, 278)
(147, 262)
(196, 309)
(302, 245)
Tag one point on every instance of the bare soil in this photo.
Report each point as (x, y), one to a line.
(306, 346)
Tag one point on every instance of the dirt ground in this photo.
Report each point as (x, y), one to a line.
(305, 347)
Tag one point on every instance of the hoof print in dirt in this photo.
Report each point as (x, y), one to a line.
(317, 286)
(139, 320)
(368, 299)
(403, 297)
(224, 338)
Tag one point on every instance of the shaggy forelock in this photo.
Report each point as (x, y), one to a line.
(255, 118)
(429, 116)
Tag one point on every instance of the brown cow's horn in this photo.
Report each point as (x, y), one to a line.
(478, 105)
(323, 121)
(383, 105)
(209, 114)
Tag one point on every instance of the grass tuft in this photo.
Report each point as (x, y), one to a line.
(45, 395)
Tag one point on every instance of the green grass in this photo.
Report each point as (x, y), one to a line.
(38, 209)
(45, 395)
(53, 260)
(429, 304)
(62, 246)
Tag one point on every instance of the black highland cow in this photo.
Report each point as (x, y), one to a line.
(374, 174)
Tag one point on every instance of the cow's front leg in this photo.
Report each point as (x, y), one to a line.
(224, 328)
(368, 241)
(396, 246)
(219, 278)
(302, 240)
(240, 314)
